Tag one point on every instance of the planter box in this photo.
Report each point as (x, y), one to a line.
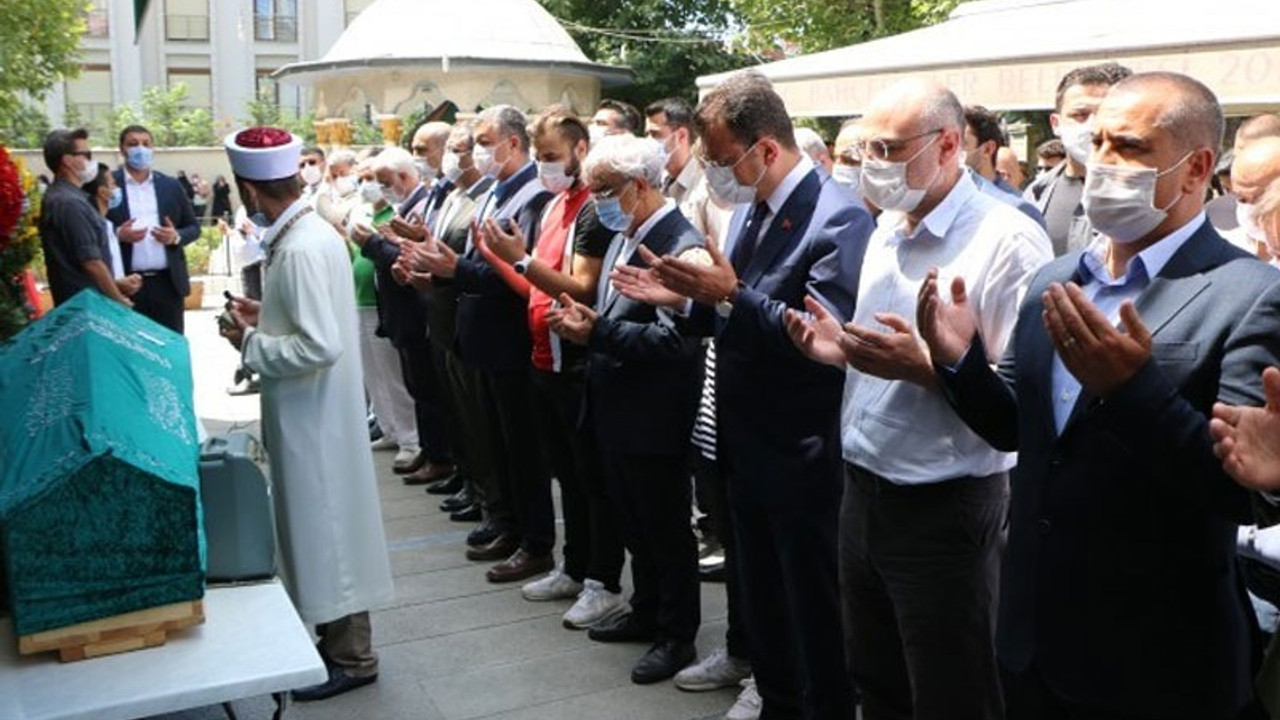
(195, 298)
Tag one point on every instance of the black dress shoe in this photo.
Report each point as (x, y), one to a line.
(500, 549)
(471, 514)
(484, 534)
(447, 487)
(664, 659)
(460, 500)
(338, 683)
(712, 574)
(623, 629)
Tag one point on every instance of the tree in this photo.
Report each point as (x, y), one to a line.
(39, 47)
(667, 43)
(165, 113)
(264, 111)
(805, 26)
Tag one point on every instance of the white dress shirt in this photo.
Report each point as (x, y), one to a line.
(144, 209)
(901, 431)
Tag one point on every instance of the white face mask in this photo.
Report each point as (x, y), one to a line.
(311, 174)
(370, 191)
(88, 171)
(725, 186)
(597, 133)
(344, 185)
(849, 176)
(425, 172)
(553, 176)
(391, 195)
(486, 161)
(1077, 138)
(884, 182)
(1120, 201)
(451, 166)
(1248, 223)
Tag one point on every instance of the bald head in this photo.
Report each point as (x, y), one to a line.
(1186, 108)
(1254, 168)
(932, 105)
(1259, 126)
(429, 141)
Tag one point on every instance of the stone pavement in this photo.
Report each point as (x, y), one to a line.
(452, 645)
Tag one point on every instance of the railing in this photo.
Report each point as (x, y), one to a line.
(277, 28)
(98, 24)
(186, 27)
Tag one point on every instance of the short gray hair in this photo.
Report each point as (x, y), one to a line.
(942, 109)
(632, 157)
(397, 160)
(811, 143)
(509, 121)
(342, 157)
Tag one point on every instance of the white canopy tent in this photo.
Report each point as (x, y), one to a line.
(399, 54)
(1010, 54)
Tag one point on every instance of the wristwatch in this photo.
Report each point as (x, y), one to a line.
(724, 306)
(522, 265)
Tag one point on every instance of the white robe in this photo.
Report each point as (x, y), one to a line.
(306, 350)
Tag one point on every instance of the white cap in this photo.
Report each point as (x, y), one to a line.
(264, 153)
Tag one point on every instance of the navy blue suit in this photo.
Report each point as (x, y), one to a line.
(778, 423)
(642, 391)
(1119, 591)
(164, 305)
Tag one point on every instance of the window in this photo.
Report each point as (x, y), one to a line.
(97, 20)
(199, 87)
(186, 20)
(89, 97)
(355, 7)
(275, 20)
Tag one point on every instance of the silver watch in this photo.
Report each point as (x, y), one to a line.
(522, 265)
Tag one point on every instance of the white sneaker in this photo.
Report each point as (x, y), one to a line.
(405, 456)
(594, 605)
(717, 670)
(383, 443)
(555, 586)
(748, 705)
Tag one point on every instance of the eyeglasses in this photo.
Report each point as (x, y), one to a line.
(610, 193)
(86, 154)
(421, 149)
(879, 149)
(708, 162)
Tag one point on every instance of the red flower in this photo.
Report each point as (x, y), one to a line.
(11, 197)
(263, 137)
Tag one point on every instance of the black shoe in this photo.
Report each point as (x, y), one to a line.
(447, 487)
(623, 629)
(460, 500)
(338, 683)
(411, 467)
(471, 514)
(711, 574)
(664, 659)
(484, 534)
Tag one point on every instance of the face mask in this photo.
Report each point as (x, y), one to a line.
(553, 176)
(849, 176)
(344, 185)
(1248, 223)
(88, 171)
(597, 133)
(370, 191)
(725, 186)
(425, 171)
(1120, 201)
(884, 183)
(117, 197)
(486, 159)
(1077, 138)
(311, 174)
(139, 157)
(451, 166)
(391, 195)
(611, 214)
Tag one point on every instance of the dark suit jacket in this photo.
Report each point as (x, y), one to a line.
(1120, 580)
(643, 376)
(174, 204)
(400, 309)
(493, 324)
(441, 299)
(778, 413)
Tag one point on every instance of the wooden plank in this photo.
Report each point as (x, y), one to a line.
(120, 633)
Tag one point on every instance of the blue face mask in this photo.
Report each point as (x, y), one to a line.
(139, 157)
(611, 215)
(117, 197)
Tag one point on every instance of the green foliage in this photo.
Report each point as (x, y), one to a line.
(165, 113)
(28, 127)
(364, 132)
(264, 111)
(805, 26)
(39, 47)
(199, 251)
(667, 43)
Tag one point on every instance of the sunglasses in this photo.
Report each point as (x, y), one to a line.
(86, 154)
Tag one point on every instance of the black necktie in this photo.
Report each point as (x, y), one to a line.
(745, 248)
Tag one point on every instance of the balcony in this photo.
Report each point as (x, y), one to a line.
(275, 28)
(186, 27)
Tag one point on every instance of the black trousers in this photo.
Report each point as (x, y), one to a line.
(158, 300)
(473, 451)
(785, 530)
(919, 573)
(712, 500)
(519, 468)
(419, 371)
(450, 407)
(652, 495)
(593, 545)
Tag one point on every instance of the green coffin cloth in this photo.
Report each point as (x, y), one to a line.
(99, 493)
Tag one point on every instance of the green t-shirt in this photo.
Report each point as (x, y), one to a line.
(362, 267)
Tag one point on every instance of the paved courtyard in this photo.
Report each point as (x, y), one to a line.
(452, 645)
